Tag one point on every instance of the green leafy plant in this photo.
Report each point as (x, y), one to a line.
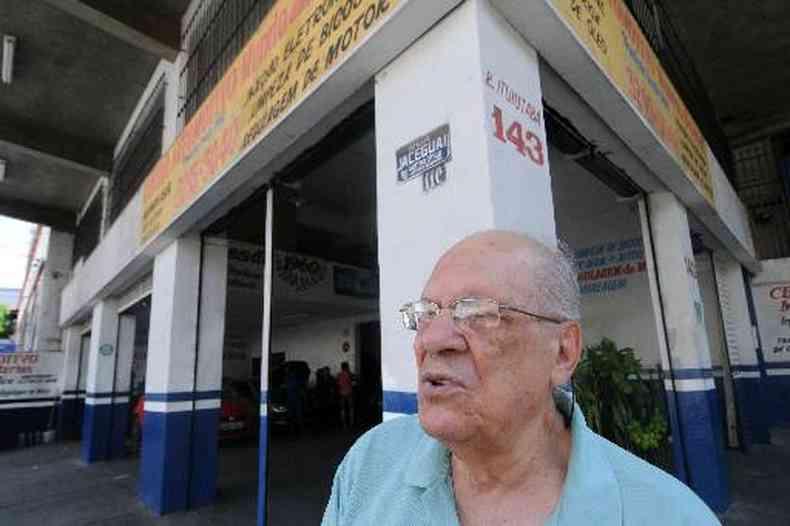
(621, 406)
(4, 328)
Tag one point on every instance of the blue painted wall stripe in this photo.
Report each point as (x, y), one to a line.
(400, 402)
(691, 374)
(182, 396)
(108, 394)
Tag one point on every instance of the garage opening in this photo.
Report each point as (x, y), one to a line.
(620, 382)
(323, 368)
(141, 313)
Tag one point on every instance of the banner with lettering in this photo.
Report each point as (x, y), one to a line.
(613, 37)
(294, 49)
(28, 376)
(773, 316)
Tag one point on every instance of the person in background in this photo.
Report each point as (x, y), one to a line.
(346, 391)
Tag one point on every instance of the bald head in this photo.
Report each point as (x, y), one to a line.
(530, 272)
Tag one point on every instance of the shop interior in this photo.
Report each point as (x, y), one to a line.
(324, 365)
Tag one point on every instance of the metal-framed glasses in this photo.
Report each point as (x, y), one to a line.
(466, 313)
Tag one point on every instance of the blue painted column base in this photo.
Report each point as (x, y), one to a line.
(700, 430)
(678, 458)
(164, 468)
(263, 451)
(96, 428)
(203, 485)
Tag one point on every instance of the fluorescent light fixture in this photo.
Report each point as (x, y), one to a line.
(2, 170)
(9, 46)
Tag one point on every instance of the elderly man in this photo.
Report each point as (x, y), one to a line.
(497, 334)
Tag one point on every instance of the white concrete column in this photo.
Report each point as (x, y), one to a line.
(97, 420)
(742, 345)
(699, 458)
(170, 376)
(71, 396)
(266, 333)
(122, 378)
(474, 74)
(717, 343)
(208, 389)
(57, 269)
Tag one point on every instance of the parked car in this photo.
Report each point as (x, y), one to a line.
(238, 411)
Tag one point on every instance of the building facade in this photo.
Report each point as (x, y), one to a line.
(292, 176)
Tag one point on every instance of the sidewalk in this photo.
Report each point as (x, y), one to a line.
(49, 485)
(761, 484)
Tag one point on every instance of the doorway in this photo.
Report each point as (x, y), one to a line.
(323, 352)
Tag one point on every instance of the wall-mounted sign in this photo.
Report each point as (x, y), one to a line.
(425, 153)
(607, 267)
(434, 178)
(105, 350)
(25, 375)
(773, 313)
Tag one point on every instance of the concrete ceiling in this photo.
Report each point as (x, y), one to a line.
(79, 69)
(740, 50)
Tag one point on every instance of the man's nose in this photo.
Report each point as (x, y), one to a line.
(439, 335)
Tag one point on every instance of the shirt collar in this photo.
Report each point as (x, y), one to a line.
(430, 462)
(590, 495)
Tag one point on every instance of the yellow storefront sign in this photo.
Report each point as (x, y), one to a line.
(614, 38)
(298, 42)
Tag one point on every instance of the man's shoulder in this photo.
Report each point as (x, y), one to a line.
(386, 443)
(647, 492)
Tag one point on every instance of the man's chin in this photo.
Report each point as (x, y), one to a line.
(442, 424)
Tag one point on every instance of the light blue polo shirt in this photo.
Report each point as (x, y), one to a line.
(397, 475)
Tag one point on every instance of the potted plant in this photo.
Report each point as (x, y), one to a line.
(622, 406)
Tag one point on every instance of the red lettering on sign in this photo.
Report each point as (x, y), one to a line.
(527, 143)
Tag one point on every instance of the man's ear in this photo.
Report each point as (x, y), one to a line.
(569, 353)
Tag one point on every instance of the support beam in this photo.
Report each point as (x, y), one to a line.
(56, 218)
(153, 33)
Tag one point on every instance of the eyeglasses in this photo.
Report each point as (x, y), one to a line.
(466, 313)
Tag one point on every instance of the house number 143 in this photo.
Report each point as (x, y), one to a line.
(526, 143)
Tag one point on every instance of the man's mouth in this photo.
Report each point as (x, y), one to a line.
(436, 382)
